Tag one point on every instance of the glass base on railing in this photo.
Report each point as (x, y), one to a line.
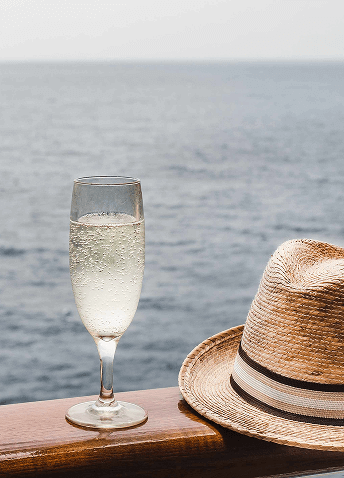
(119, 415)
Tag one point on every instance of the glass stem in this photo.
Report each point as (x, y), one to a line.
(106, 349)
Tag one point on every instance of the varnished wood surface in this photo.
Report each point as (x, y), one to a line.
(36, 440)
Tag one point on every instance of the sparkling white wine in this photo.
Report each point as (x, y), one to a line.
(106, 265)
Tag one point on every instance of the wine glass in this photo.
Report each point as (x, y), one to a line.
(106, 254)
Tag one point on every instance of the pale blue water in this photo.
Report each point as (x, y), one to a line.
(336, 474)
(234, 159)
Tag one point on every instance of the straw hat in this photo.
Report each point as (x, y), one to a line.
(281, 376)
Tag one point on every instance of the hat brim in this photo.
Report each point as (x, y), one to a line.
(204, 381)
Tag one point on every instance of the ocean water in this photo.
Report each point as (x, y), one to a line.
(234, 159)
(335, 474)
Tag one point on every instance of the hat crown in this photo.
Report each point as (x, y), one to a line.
(295, 326)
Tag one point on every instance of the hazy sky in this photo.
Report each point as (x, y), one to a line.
(171, 29)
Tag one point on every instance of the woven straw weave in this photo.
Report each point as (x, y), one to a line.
(295, 328)
(296, 322)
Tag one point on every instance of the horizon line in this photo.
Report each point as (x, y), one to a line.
(173, 60)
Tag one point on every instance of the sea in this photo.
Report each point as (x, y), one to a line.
(234, 159)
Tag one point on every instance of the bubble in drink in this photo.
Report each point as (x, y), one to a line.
(106, 264)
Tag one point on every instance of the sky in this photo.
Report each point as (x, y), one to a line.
(171, 30)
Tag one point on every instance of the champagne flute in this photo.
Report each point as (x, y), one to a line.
(106, 253)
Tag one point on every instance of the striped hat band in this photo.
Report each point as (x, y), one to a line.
(293, 399)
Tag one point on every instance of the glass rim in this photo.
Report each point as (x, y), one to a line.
(106, 180)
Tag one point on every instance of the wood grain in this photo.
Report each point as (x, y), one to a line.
(36, 440)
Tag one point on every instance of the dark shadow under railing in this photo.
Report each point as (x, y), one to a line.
(36, 440)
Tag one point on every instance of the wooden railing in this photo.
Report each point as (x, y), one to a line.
(36, 441)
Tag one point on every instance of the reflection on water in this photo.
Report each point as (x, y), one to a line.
(234, 159)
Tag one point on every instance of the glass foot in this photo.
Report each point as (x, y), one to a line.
(122, 415)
